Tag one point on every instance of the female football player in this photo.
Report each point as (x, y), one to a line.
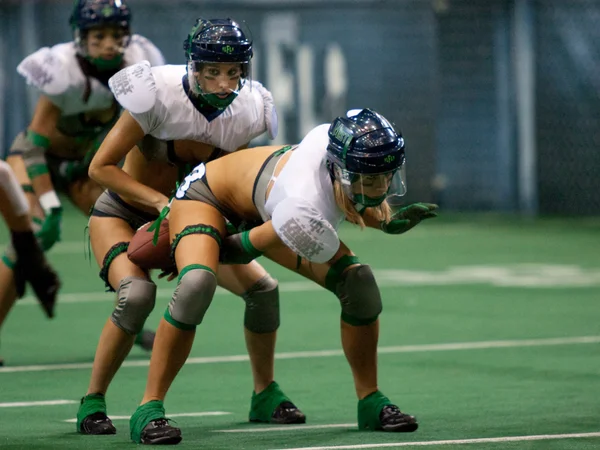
(300, 194)
(74, 110)
(179, 115)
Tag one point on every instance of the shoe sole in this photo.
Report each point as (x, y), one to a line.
(295, 421)
(401, 428)
(165, 440)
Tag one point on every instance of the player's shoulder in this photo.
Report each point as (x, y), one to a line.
(51, 69)
(141, 49)
(138, 86)
(256, 95)
(302, 226)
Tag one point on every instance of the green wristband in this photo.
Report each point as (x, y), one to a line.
(248, 247)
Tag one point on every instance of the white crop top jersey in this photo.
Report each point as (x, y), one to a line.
(156, 99)
(301, 203)
(55, 72)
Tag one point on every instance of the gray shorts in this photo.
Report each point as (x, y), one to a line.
(110, 204)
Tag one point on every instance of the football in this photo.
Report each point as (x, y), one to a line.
(144, 254)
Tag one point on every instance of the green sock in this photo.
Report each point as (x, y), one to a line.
(142, 416)
(90, 404)
(369, 409)
(263, 404)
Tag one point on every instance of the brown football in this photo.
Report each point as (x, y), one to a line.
(143, 253)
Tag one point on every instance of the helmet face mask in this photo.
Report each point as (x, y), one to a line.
(219, 55)
(94, 21)
(366, 156)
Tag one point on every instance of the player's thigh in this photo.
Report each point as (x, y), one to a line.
(83, 193)
(316, 272)
(238, 278)
(105, 233)
(195, 229)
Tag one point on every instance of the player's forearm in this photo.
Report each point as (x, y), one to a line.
(118, 181)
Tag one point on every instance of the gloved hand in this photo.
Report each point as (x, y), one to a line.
(73, 170)
(171, 273)
(50, 232)
(408, 217)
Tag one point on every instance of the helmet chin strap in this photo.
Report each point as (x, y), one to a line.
(107, 64)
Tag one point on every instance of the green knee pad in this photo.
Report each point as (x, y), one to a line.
(142, 416)
(369, 409)
(263, 404)
(90, 404)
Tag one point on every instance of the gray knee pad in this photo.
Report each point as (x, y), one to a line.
(359, 295)
(262, 306)
(192, 297)
(136, 302)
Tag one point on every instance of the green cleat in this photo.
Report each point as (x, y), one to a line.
(273, 406)
(377, 413)
(92, 418)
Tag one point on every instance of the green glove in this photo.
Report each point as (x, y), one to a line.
(408, 217)
(72, 170)
(49, 234)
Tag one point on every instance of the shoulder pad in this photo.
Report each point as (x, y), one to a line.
(270, 111)
(304, 230)
(44, 70)
(134, 87)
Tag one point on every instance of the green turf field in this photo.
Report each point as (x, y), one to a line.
(490, 335)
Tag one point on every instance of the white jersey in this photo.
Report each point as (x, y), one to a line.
(301, 203)
(156, 99)
(55, 72)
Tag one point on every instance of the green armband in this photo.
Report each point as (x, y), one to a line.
(248, 247)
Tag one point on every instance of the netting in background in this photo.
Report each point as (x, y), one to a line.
(444, 71)
(568, 106)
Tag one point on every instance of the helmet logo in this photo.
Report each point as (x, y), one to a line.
(227, 49)
(340, 132)
(389, 158)
(107, 11)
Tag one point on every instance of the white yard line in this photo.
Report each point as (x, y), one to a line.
(539, 437)
(328, 353)
(38, 403)
(251, 429)
(191, 414)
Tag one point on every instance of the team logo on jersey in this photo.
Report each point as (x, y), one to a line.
(37, 74)
(227, 49)
(120, 84)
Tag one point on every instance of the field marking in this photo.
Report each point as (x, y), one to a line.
(328, 353)
(192, 414)
(539, 437)
(38, 403)
(514, 275)
(286, 428)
